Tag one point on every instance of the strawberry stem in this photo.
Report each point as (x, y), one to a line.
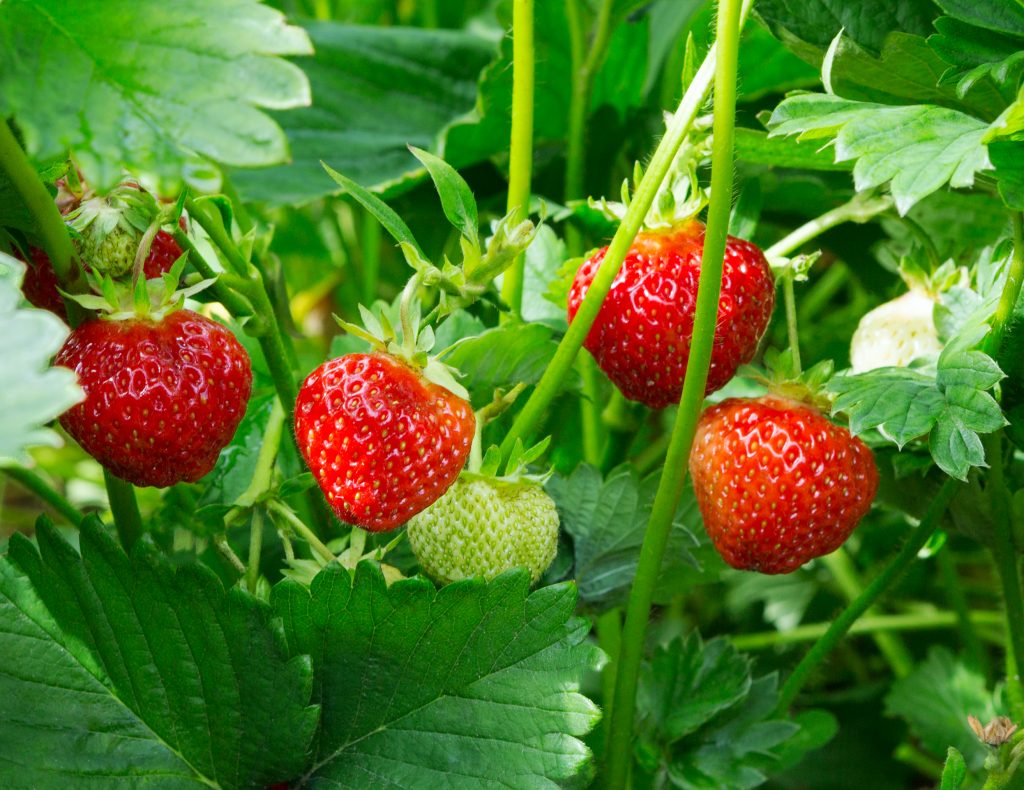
(252, 570)
(520, 165)
(620, 741)
(550, 384)
(792, 327)
(872, 592)
(124, 508)
(145, 245)
(299, 528)
(860, 208)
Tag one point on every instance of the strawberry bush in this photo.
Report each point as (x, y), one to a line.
(498, 393)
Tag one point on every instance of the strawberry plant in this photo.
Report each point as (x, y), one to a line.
(508, 393)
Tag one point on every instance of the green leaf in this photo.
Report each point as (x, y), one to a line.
(707, 724)
(472, 685)
(952, 407)
(808, 26)
(936, 699)
(387, 216)
(543, 260)
(375, 91)
(194, 80)
(504, 356)
(31, 392)
(607, 519)
(687, 684)
(119, 669)
(758, 147)
(919, 148)
(456, 197)
(981, 38)
(954, 771)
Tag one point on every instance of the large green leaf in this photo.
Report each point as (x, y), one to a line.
(936, 699)
(149, 84)
(474, 685)
(119, 670)
(31, 392)
(918, 149)
(808, 26)
(375, 91)
(607, 519)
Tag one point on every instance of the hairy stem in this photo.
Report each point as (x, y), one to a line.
(125, 509)
(872, 592)
(550, 384)
(32, 482)
(705, 317)
(858, 209)
(302, 530)
(520, 165)
(792, 327)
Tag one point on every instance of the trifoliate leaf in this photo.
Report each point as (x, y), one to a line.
(472, 685)
(126, 670)
(936, 699)
(210, 68)
(705, 723)
(951, 406)
(31, 392)
(918, 149)
(607, 519)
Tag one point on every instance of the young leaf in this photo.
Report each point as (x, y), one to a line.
(954, 771)
(387, 217)
(193, 80)
(919, 148)
(127, 668)
(606, 519)
(456, 197)
(31, 392)
(461, 687)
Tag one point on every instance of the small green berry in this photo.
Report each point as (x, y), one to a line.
(484, 527)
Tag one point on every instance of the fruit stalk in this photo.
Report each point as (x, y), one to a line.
(870, 624)
(125, 509)
(1011, 290)
(52, 231)
(565, 355)
(586, 60)
(875, 588)
(730, 18)
(32, 482)
(520, 165)
(252, 571)
(1005, 555)
(857, 209)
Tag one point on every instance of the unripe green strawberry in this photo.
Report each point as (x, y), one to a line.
(485, 526)
(895, 333)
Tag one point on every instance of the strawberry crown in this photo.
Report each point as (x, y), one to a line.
(782, 376)
(128, 207)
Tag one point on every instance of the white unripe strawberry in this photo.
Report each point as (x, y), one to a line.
(484, 526)
(895, 333)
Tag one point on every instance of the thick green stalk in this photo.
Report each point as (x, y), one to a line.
(705, 317)
(872, 592)
(520, 165)
(869, 624)
(125, 508)
(252, 570)
(550, 384)
(53, 233)
(51, 496)
(1005, 555)
(1011, 290)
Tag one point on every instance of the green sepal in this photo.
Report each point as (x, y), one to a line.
(781, 376)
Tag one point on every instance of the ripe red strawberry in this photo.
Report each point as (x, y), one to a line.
(777, 483)
(641, 338)
(382, 441)
(163, 397)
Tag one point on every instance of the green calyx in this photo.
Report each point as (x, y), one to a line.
(782, 377)
(109, 229)
(153, 299)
